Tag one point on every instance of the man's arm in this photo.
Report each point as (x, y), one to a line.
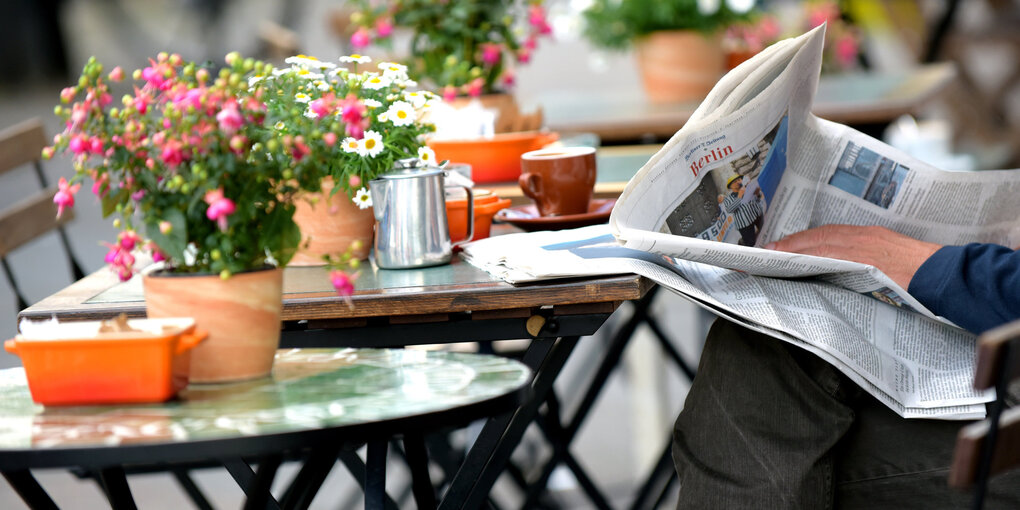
(896, 255)
(976, 286)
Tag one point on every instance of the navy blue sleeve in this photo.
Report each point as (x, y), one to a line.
(976, 286)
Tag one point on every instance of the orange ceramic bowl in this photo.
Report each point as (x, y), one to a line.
(496, 158)
(485, 208)
(72, 364)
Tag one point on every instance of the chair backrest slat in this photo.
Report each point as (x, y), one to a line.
(29, 219)
(21, 144)
(970, 442)
(998, 348)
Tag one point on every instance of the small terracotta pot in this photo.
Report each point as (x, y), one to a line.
(679, 65)
(330, 224)
(241, 314)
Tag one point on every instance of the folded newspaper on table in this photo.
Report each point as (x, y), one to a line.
(753, 165)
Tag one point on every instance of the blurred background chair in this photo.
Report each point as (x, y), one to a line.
(21, 146)
(991, 446)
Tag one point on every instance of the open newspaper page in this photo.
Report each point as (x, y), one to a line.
(919, 367)
(753, 165)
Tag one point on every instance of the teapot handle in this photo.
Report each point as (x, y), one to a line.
(470, 217)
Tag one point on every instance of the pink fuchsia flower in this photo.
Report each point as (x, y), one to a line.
(158, 75)
(173, 153)
(449, 93)
(116, 74)
(64, 196)
(353, 113)
(344, 285)
(67, 94)
(846, 51)
(491, 53)
(383, 27)
(128, 239)
(536, 18)
(354, 181)
(220, 207)
(121, 261)
(361, 38)
(79, 145)
(229, 118)
(298, 148)
(323, 106)
(524, 55)
(329, 138)
(508, 78)
(474, 87)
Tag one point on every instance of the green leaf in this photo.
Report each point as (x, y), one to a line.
(174, 243)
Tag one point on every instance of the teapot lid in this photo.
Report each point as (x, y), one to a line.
(411, 167)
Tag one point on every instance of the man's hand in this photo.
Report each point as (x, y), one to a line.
(896, 255)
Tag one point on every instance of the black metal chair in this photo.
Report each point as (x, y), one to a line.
(991, 446)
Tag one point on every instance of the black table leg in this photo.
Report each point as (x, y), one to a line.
(375, 475)
(500, 436)
(191, 489)
(309, 479)
(418, 462)
(358, 469)
(255, 486)
(114, 483)
(29, 489)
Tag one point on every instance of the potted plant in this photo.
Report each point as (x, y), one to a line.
(461, 48)
(195, 177)
(337, 128)
(677, 42)
(842, 40)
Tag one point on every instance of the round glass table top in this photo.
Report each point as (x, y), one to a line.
(308, 389)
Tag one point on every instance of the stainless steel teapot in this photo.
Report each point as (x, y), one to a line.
(410, 216)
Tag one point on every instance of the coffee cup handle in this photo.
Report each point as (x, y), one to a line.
(531, 185)
(470, 217)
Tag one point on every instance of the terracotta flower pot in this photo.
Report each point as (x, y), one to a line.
(241, 314)
(330, 225)
(679, 65)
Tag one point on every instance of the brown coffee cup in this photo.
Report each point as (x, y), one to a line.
(560, 180)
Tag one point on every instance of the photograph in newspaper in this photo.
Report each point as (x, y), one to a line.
(868, 175)
(730, 203)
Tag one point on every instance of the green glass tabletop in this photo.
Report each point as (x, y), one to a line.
(308, 389)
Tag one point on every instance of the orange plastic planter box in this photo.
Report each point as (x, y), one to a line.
(72, 363)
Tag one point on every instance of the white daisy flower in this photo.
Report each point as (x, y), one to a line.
(301, 97)
(308, 75)
(708, 7)
(355, 58)
(375, 82)
(308, 61)
(393, 71)
(362, 199)
(279, 125)
(740, 6)
(278, 72)
(321, 85)
(401, 113)
(417, 99)
(371, 103)
(255, 79)
(311, 114)
(350, 145)
(371, 145)
(383, 117)
(427, 155)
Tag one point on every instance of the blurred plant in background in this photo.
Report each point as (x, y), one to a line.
(459, 47)
(616, 24)
(788, 19)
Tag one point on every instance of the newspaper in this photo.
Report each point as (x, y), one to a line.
(751, 166)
